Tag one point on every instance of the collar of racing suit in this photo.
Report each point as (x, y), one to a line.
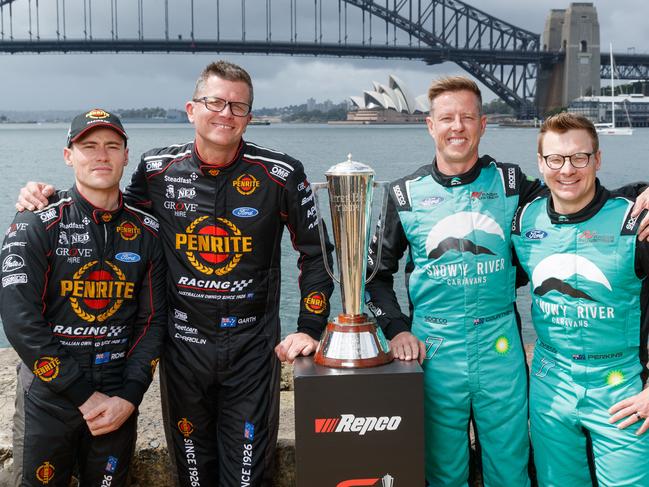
(601, 196)
(212, 169)
(459, 179)
(99, 215)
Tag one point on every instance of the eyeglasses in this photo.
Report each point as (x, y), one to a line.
(578, 160)
(216, 104)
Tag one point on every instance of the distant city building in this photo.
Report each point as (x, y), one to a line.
(324, 107)
(598, 109)
(393, 103)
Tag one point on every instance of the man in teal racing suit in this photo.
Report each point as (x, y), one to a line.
(578, 245)
(453, 219)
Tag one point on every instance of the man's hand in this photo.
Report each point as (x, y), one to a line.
(33, 196)
(632, 410)
(108, 416)
(406, 346)
(642, 203)
(92, 402)
(294, 345)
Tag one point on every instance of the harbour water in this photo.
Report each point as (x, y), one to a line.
(34, 152)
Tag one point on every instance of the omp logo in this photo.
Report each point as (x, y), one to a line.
(213, 248)
(47, 215)
(450, 234)
(348, 423)
(399, 195)
(153, 165)
(630, 223)
(279, 172)
(151, 222)
(96, 293)
(246, 184)
(553, 272)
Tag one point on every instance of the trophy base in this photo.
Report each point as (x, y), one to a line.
(353, 342)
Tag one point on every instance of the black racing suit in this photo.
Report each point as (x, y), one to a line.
(83, 303)
(221, 228)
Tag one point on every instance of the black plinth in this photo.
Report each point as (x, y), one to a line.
(359, 427)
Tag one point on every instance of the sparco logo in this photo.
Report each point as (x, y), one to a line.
(399, 195)
(511, 178)
(348, 423)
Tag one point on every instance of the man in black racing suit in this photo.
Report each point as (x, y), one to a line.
(222, 227)
(223, 204)
(83, 303)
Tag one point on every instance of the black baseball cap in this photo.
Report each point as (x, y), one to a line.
(92, 119)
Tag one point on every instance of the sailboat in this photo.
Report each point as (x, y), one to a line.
(610, 128)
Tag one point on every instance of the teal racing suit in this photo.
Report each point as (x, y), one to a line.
(589, 301)
(461, 288)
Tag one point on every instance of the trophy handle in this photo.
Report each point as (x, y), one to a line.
(384, 208)
(316, 187)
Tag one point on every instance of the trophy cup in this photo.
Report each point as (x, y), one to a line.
(352, 339)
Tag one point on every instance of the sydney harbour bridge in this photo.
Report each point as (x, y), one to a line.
(508, 59)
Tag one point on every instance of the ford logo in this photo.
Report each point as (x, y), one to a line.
(432, 201)
(245, 212)
(128, 257)
(536, 234)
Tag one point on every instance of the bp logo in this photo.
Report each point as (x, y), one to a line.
(45, 473)
(246, 184)
(128, 230)
(316, 302)
(502, 345)
(213, 248)
(47, 368)
(614, 378)
(95, 294)
(185, 427)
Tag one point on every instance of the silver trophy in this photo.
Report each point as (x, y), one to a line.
(352, 339)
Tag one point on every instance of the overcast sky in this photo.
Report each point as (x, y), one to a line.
(77, 81)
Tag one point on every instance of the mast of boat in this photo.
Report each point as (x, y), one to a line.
(610, 51)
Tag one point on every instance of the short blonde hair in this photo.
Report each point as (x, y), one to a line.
(564, 121)
(454, 83)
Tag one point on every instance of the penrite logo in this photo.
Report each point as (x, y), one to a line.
(94, 289)
(315, 302)
(45, 473)
(386, 481)
(128, 230)
(246, 184)
(47, 368)
(213, 248)
(185, 427)
(348, 423)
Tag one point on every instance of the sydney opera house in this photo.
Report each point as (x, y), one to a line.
(391, 103)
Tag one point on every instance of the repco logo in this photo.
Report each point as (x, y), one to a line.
(315, 302)
(246, 184)
(213, 248)
(348, 423)
(97, 294)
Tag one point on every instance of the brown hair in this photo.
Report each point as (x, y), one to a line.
(224, 70)
(564, 121)
(454, 83)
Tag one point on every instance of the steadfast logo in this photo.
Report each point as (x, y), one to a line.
(348, 423)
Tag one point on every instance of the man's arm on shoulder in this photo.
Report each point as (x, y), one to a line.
(25, 274)
(137, 192)
(34, 196)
